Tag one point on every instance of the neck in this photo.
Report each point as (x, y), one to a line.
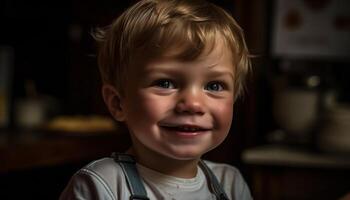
(166, 165)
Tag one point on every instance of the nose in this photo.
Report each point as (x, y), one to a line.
(191, 101)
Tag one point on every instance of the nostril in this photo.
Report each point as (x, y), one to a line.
(190, 101)
(189, 108)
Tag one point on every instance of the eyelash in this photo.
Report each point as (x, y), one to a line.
(220, 86)
(169, 84)
(160, 83)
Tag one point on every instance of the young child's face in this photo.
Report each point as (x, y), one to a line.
(180, 110)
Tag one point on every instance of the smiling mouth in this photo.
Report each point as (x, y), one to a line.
(185, 128)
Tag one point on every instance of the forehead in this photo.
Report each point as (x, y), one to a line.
(212, 50)
(217, 57)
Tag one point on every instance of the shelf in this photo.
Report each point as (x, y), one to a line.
(31, 151)
(287, 156)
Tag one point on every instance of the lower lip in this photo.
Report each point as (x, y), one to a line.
(185, 134)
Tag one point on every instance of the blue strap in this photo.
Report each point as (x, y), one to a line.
(128, 164)
(137, 189)
(213, 182)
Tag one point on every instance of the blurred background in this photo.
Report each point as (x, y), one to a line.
(291, 132)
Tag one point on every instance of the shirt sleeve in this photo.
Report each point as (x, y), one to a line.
(87, 185)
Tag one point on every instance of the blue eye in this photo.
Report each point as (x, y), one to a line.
(164, 83)
(214, 86)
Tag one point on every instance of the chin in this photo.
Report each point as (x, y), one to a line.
(188, 155)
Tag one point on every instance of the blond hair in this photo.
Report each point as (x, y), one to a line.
(151, 28)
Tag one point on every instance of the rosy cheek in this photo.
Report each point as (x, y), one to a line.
(225, 113)
(150, 107)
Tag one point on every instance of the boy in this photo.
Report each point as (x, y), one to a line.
(171, 71)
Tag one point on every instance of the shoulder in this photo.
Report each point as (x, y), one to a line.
(106, 169)
(100, 179)
(222, 170)
(231, 179)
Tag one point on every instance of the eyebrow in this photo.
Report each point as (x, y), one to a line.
(217, 73)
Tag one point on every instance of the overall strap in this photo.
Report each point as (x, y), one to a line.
(213, 182)
(128, 164)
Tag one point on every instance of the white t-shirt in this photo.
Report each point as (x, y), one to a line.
(104, 180)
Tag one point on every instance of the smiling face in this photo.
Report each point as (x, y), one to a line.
(180, 110)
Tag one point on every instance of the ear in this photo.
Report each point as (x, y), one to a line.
(112, 99)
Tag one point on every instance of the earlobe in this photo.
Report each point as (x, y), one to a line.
(112, 99)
